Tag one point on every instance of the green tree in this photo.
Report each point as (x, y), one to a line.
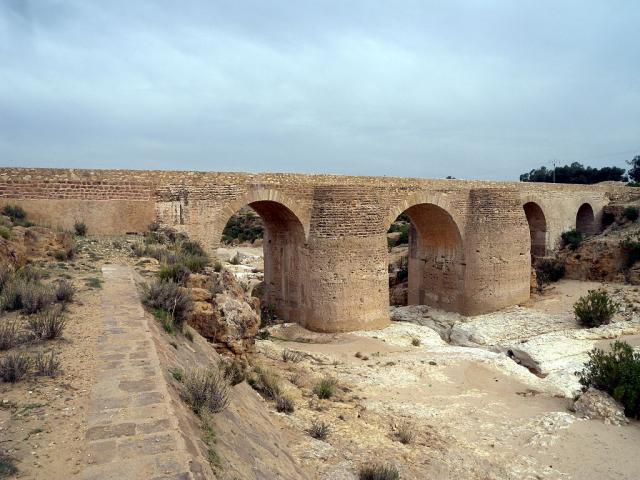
(634, 171)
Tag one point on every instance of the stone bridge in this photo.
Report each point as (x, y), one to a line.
(325, 245)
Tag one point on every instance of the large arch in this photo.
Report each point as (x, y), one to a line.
(537, 229)
(284, 250)
(436, 258)
(585, 219)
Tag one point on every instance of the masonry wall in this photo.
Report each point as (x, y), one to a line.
(327, 261)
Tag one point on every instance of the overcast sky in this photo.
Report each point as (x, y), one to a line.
(474, 89)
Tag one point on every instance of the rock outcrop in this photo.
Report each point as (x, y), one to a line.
(596, 404)
(223, 313)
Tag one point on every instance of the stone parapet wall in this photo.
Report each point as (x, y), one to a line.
(328, 251)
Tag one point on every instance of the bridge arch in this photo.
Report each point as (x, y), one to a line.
(436, 265)
(585, 219)
(537, 221)
(284, 249)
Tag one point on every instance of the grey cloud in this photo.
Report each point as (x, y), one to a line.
(408, 88)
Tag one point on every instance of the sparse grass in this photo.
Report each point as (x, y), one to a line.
(64, 291)
(5, 232)
(188, 333)
(9, 335)
(378, 471)
(93, 282)
(233, 370)
(217, 266)
(284, 404)
(165, 319)
(47, 365)
(24, 294)
(80, 228)
(266, 382)
(405, 432)
(177, 373)
(325, 388)
(292, 356)
(415, 341)
(47, 325)
(209, 438)
(319, 430)
(14, 367)
(206, 389)
(595, 309)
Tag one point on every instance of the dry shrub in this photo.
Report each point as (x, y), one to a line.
(170, 297)
(378, 471)
(319, 429)
(206, 389)
(47, 325)
(14, 367)
(64, 291)
(284, 404)
(233, 370)
(22, 294)
(9, 334)
(47, 365)
(405, 432)
(266, 382)
(292, 356)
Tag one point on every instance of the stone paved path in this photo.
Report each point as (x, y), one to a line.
(133, 433)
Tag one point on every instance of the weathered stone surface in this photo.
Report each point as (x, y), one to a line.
(596, 404)
(326, 251)
(230, 318)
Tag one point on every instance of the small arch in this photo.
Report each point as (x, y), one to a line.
(435, 263)
(585, 219)
(264, 195)
(537, 229)
(284, 252)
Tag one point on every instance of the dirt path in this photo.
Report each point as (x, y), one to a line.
(133, 432)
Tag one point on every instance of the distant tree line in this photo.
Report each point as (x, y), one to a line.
(578, 173)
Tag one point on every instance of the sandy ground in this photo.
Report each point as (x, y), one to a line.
(475, 412)
(43, 420)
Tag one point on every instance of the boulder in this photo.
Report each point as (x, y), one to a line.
(596, 404)
(228, 317)
(201, 294)
(198, 280)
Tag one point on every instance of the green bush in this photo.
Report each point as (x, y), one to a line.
(572, 239)
(631, 248)
(80, 228)
(176, 272)
(14, 212)
(617, 373)
(595, 309)
(325, 388)
(631, 213)
(196, 263)
(5, 232)
(168, 296)
(378, 471)
(550, 270)
(191, 247)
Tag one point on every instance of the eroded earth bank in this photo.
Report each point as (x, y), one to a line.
(434, 395)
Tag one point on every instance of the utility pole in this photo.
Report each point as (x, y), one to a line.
(554, 171)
